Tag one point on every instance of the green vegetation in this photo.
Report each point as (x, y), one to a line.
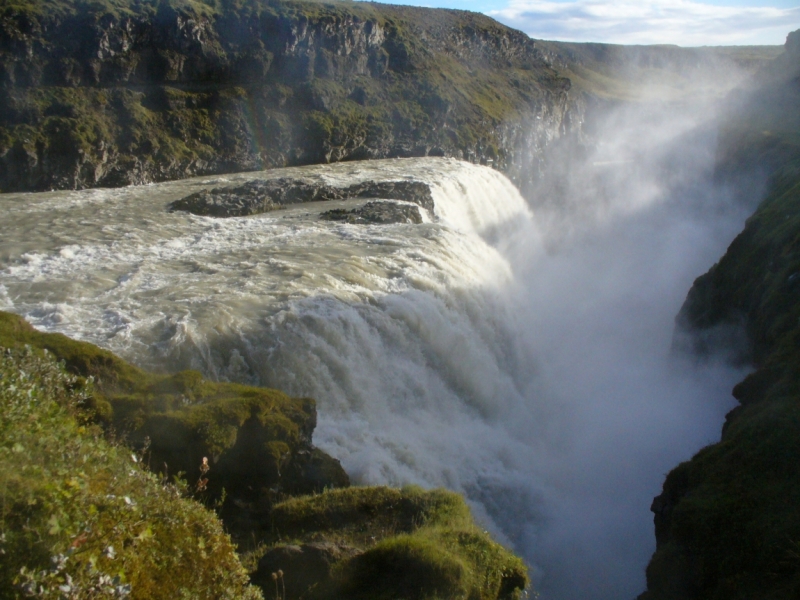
(727, 523)
(409, 543)
(183, 417)
(80, 518)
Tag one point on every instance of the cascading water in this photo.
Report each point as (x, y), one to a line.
(456, 352)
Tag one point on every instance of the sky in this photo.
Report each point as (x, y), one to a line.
(681, 22)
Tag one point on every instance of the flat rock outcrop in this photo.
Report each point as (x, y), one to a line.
(376, 213)
(264, 195)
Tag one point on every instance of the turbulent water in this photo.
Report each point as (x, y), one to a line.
(481, 350)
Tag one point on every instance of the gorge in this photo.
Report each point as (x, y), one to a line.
(516, 349)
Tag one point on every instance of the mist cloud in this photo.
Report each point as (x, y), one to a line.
(681, 22)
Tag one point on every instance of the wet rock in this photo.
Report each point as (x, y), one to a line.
(376, 213)
(264, 195)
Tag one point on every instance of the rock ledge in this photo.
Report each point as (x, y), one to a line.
(264, 195)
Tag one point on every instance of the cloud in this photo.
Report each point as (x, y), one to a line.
(682, 22)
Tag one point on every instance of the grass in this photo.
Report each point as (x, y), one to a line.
(256, 438)
(80, 517)
(80, 511)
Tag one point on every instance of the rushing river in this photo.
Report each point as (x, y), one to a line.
(467, 351)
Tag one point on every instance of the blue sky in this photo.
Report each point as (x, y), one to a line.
(682, 22)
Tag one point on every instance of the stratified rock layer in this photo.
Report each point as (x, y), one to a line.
(122, 92)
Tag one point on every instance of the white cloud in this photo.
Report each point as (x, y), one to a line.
(682, 22)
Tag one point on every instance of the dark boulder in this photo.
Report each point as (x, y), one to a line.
(300, 568)
(376, 213)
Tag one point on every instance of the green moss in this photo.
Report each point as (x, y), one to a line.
(255, 438)
(416, 543)
(405, 566)
(77, 512)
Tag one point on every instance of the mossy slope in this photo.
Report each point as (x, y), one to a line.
(727, 523)
(407, 543)
(258, 440)
(80, 518)
(79, 511)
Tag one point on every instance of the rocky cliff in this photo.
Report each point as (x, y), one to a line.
(132, 91)
(727, 524)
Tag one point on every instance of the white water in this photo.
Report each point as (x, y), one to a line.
(453, 353)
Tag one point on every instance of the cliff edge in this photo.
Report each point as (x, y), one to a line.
(127, 91)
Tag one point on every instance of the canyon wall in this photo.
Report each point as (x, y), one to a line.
(726, 521)
(129, 92)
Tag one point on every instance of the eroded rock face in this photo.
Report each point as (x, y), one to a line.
(263, 195)
(376, 213)
(95, 96)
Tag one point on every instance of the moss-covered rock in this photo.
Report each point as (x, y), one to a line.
(386, 543)
(257, 440)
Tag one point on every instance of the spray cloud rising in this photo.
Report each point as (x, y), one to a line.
(522, 359)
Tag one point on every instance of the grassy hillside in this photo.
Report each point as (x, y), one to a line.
(81, 518)
(727, 524)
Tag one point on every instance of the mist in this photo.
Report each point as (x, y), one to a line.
(628, 224)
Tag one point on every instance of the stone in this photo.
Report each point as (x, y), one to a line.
(304, 567)
(263, 195)
(376, 213)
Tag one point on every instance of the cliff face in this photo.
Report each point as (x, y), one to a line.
(128, 91)
(727, 524)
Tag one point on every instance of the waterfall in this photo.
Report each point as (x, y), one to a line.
(457, 352)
